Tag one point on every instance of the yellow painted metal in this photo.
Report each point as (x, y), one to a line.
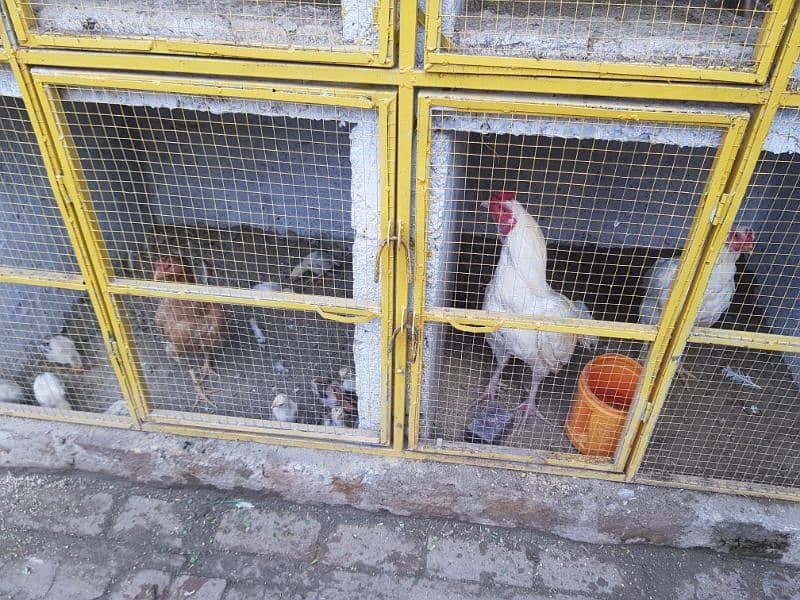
(24, 20)
(732, 125)
(765, 50)
(47, 81)
(790, 99)
(63, 281)
(394, 77)
(741, 171)
(741, 488)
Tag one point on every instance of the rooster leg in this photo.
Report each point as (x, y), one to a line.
(206, 369)
(529, 406)
(200, 389)
(490, 393)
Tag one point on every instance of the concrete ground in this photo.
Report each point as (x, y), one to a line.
(73, 536)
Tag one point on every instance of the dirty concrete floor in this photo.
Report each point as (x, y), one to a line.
(73, 536)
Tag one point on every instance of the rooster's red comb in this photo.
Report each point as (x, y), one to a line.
(503, 196)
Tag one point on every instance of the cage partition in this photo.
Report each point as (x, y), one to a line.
(237, 228)
(343, 31)
(686, 39)
(736, 421)
(53, 360)
(601, 196)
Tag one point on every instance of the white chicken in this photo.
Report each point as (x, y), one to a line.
(519, 286)
(50, 392)
(61, 350)
(284, 408)
(720, 289)
(10, 391)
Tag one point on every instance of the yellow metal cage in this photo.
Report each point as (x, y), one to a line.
(657, 174)
(684, 39)
(237, 232)
(337, 31)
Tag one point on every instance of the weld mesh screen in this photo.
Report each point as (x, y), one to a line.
(317, 24)
(243, 199)
(455, 408)
(254, 355)
(80, 375)
(685, 33)
(32, 233)
(614, 214)
(733, 414)
(733, 417)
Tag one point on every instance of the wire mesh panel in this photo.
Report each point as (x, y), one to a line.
(328, 30)
(733, 409)
(53, 359)
(204, 206)
(533, 219)
(32, 233)
(247, 364)
(683, 37)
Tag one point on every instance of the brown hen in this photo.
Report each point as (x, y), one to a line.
(192, 329)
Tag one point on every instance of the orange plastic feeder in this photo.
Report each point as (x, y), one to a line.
(606, 388)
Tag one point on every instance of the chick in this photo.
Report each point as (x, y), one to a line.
(61, 350)
(346, 377)
(118, 409)
(284, 409)
(10, 391)
(336, 418)
(333, 396)
(50, 392)
(317, 263)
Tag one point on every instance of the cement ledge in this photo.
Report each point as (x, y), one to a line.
(582, 510)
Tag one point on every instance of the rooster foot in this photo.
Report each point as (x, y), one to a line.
(207, 370)
(527, 408)
(200, 390)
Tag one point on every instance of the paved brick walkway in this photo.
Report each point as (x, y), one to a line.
(72, 536)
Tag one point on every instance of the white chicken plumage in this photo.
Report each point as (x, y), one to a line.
(10, 391)
(50, 392)
(519, 286)
(719, 291)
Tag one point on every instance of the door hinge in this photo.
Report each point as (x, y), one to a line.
(720, 210)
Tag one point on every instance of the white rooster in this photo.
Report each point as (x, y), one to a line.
(720, 289)
(519, 286)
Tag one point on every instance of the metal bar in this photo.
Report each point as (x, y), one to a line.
(744, 339)
(394, 77)
(740, 488)
(64, 281)
(742, 171)
(66, 416)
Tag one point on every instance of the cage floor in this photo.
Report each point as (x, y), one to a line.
(300, 346)
(463, 371)
(96, 388)
(280, 23)
(715, 427)
(679, 32)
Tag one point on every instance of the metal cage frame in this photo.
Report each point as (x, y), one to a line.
(71, 188)
(23, 20)
(404, 94)
(440, 57)
(733, 128)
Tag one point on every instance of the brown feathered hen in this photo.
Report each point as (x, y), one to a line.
(192, 329)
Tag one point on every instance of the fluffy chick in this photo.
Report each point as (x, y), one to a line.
(10, 391)
(333, 396)
(50, 392)
(284, 409)
(336, 417)
(61, 350)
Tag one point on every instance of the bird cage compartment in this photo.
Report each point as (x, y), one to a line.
(331, 31)
(722, 40)
(730, 415)
(240, 233)
(53, 360)
(548, 237)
